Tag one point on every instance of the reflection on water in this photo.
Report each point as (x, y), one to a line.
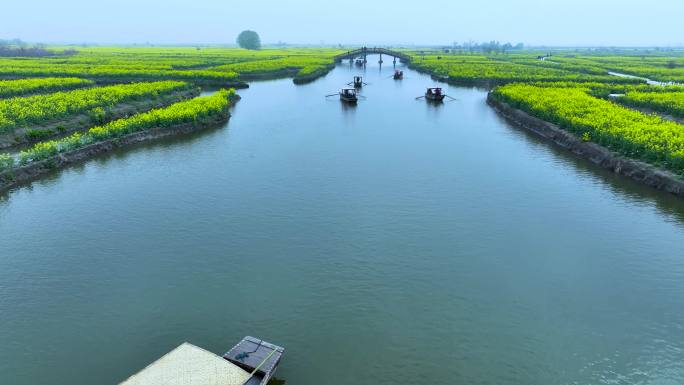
(396, 241)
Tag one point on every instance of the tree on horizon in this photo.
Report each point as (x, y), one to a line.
(249, 40)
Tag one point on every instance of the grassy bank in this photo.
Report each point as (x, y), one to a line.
(631, 133)
(194, 111)
(81, 121)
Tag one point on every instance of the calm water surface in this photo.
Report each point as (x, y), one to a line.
(390, 243)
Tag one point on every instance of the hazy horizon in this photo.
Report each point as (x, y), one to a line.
(533, 22)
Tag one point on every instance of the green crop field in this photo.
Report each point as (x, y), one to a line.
(475, 70)
(663, 69)
(666, 102)
(30, 86)
(300, 64)
(22, 111)
(209, 65)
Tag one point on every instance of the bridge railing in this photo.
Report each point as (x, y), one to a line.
(368, 51)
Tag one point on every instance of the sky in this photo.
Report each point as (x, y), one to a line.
(369, 22)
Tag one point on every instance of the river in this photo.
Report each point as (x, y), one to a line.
(395, 242)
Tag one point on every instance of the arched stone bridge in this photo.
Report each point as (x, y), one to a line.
(363, 52)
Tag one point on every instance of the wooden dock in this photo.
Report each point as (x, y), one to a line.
(250, 354)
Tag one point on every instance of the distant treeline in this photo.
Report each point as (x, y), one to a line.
(16, 47)
(486, 47)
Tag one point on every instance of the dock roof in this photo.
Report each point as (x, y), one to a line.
(189, 365)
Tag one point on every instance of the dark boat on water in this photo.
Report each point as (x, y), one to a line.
(434, 94)
(360, 62)
(398, 75)
(358, 82)
(349, 95)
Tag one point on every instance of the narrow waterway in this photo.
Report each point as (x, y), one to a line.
(647, 80)
(394, 242)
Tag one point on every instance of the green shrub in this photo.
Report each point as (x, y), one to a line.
(6, 162)
(98, 115)
(35, 134)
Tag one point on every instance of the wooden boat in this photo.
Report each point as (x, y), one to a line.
(349, 95)
(434, 94)
(398, 75)
(250, 362)
(358, 82)
(256, 356)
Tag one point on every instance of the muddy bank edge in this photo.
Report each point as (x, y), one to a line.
(23, 174)
(639, 171)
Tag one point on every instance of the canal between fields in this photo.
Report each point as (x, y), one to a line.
(395, 242)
